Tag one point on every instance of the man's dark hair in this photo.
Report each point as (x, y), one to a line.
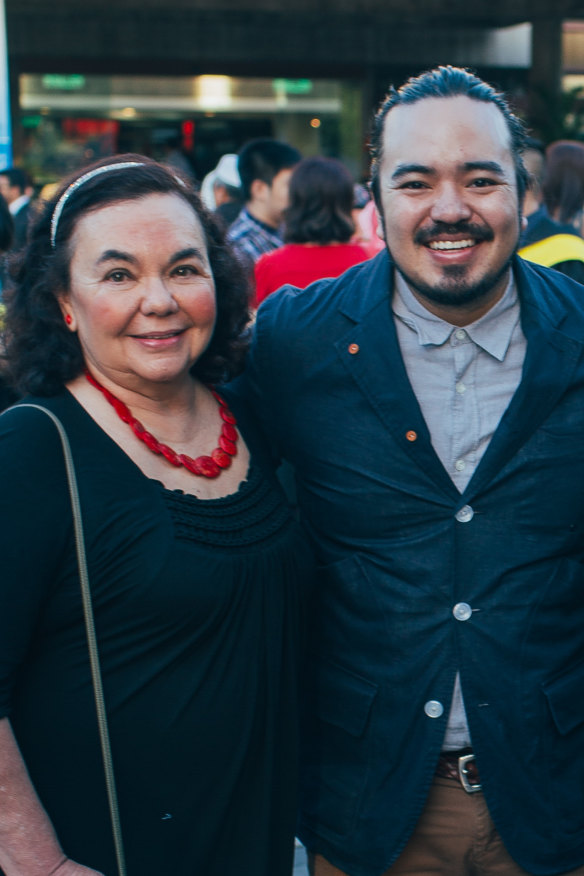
(18, 177)
(321, 198)
(42, 354)
(447, 82)
(534, 163)
(263, 159)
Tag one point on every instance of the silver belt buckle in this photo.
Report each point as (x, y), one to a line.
(463, 774)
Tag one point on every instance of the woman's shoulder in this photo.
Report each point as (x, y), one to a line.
(31, 455)
(31, 428)
(33, 417)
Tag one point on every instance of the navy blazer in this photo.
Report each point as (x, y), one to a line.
(399, 547)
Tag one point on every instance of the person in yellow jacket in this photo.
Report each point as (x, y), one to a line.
(547, 241)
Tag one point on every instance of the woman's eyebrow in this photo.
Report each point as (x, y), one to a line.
(115, 254)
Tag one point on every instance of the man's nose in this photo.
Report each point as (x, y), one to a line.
(450, 205)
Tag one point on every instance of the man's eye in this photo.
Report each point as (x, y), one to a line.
(483, 182)
(414, 184)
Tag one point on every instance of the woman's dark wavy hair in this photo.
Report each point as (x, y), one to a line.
(41, 353)
(447, 82)
(563, 184)
(321, 199)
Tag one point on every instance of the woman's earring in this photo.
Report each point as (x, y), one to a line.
(68, 318)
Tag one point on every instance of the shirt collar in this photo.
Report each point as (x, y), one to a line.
(492, 332)
(17, 203)
(267, 228)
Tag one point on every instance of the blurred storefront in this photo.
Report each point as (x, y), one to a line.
(71, 119)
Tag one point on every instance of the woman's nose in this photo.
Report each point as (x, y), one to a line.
(157, 297)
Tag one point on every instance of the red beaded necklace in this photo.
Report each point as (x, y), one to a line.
(206, 466)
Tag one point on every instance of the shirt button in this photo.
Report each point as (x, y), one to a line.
(353, 348)
(460, 465)
(465, 514)
(433, 709)
(460, 388)
(462, 611)
(460, 334)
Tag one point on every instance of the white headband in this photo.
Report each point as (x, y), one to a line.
(122, 165)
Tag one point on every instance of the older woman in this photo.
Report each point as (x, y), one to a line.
(318, 227)
(126, 309)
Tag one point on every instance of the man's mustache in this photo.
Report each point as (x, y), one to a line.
(469, 229)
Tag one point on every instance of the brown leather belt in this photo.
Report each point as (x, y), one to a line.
(462, 766)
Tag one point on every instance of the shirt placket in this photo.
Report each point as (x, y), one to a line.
(464, 409)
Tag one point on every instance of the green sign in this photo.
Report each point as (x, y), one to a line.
(293, 86)
(63, 82)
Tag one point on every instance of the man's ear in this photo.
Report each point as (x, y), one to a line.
(258, 190)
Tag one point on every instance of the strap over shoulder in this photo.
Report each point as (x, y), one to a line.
(91, 635)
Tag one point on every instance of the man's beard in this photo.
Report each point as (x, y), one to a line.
(454, 290)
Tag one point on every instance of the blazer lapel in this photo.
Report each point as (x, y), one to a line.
(369, 351)
(550, 360)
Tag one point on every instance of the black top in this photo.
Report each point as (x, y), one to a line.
(199, 608)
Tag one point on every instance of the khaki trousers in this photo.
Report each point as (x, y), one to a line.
(455, 836)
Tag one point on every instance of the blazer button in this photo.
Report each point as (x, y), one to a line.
(465, 515)
(462, 611)
(411, 435)
(434, 709)
(353, 348)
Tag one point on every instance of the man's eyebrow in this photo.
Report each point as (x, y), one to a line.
(468, 166)
(489, 166)
(405, 169)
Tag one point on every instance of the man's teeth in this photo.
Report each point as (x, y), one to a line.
(451, 244)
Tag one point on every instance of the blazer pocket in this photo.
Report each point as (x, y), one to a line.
(342, 697)
(564, 746)
(336, 748)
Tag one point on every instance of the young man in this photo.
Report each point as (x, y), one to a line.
(265, 167)
(431, 401)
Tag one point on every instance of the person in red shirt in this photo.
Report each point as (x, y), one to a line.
(318, 229)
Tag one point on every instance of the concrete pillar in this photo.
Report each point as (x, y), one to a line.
(544, 105)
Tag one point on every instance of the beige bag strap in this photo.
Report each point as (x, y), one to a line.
(91, 639)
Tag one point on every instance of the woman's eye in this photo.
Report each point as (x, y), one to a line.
(117, 276)
(185, 271)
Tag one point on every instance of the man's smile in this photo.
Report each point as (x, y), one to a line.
(452, 244)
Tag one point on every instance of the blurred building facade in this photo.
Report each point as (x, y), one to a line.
(103, 76)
